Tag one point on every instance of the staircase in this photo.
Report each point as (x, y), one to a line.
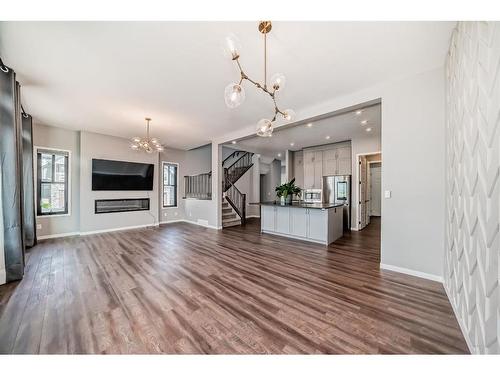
(234, 202)
(229, 216)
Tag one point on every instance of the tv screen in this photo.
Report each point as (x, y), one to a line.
(121, 175)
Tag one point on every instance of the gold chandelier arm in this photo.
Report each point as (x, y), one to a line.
(265, 61)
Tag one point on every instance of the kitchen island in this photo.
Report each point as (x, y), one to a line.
(314, 222)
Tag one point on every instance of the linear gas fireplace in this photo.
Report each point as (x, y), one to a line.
(103, 206)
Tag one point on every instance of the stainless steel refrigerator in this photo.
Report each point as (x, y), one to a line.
(337, 189)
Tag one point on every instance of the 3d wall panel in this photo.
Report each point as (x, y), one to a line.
(472, 273)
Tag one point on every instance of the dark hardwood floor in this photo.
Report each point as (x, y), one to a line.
(182, 288)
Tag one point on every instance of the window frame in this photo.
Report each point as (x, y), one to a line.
(163, 163)
(38, 182)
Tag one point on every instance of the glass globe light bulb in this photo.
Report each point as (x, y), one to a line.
(264, 128)
(154, 141)
(234, 95)
(159, 148)
(278, 81)
(136, 139)
(289, 114)
(134, 146)
(231, 46)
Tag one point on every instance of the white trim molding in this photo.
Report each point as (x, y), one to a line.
(118, 229)
(411, 272)
(191, 222)
(473, 349)
(57, 235)
(3, 276)
(68, 234)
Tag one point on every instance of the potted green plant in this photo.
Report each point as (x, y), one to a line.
(288, 190)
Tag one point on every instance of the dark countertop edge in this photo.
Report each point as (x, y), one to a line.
(318, 206)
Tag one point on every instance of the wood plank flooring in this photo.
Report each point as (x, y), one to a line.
(181, 288)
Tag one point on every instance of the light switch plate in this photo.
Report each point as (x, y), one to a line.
(387, 194)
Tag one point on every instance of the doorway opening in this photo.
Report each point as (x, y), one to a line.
(369, 202)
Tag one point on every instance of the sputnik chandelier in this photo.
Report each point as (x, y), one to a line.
(147, 143)
(234, 94)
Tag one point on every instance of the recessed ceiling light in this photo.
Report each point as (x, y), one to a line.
(233, 142)
(309, 125)
(292, 144)
(364, 122)
(368, 129)
(358, 112)
(327, 137)
(279, 155)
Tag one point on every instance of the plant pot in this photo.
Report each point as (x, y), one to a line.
(288, 199)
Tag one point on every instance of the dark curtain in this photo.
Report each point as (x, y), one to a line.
(11, 163)
(28, 182)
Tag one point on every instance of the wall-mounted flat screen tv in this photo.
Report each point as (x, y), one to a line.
(121, 175)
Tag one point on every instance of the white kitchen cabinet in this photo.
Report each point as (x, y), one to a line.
(344, 165)
(309, 224)
(283, 219)
(308, 169)
(318, 170)
(313, 169)
(298, 222)
(317, 225)
(268, 218)
(329, 162)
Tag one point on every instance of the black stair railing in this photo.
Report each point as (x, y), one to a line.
(198, 186)
(237, 200)
(237, 169)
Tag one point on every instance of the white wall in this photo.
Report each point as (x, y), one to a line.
(63, 139)
(98, 146)
(472, 255)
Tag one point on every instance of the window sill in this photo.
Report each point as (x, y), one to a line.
(55, 215)
(166, 207)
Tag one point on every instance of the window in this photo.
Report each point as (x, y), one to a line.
(52, 182)
(170, 184)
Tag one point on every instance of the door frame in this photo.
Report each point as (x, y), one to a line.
(369, 166)
(358, 190)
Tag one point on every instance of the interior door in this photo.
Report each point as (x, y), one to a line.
(362, 214)
(376, 188)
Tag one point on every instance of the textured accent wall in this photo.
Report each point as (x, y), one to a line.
(471, 274)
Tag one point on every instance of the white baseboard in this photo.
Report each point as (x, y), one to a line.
(57, 235)
(118, 229)
(253, 216)
(473, 349)
(201, 224)
(356, 229)
(3, 277)
(408, 271)
(67, 234)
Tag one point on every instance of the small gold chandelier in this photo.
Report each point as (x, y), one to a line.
(147, 144)
(234, 94)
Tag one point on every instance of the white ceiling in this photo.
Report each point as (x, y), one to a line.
(107, 76)
(337, 128)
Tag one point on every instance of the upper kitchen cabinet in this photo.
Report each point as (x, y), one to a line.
(344, 164)
(298, 168)
(313, 169)
(328, 160)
